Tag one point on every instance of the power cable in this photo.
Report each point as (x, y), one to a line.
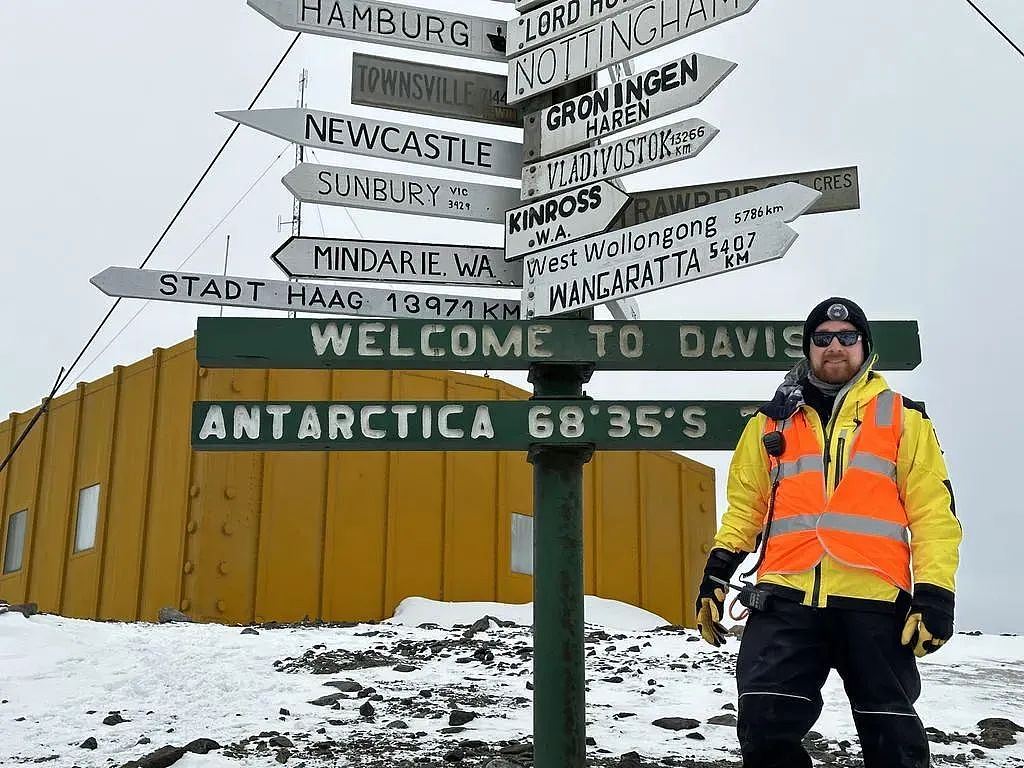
(995, 27)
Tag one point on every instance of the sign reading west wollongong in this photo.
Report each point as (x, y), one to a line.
(510, 425)
(357, 188)
(342, 259)
(422, 344)
(390, 24)
(222, 290)
(428, 89)
(391, 141)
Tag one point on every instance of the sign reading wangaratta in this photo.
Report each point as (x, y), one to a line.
(654, 148)
(391, 141)
(222, 290)
(421, 344)
(342, 259)
(390, 24)
(626, 103)
(508, 425)
(358, 188)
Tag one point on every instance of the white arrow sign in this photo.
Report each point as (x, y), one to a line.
(558, 19)
(631, 33)
(561, 219)
(358, 188)
(656, 254)
(260, 293)
(659, 146)
(392, 141)
(390, 24)
(319, 257)
(623, 104)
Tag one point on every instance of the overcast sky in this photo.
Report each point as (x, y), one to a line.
(109, 120)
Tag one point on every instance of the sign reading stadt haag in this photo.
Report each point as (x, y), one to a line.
(422, 344)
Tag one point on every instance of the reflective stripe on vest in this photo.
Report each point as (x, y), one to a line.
(863, 523)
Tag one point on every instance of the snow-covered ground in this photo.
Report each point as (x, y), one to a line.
(438, 684)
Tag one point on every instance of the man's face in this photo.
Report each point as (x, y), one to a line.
(835, 363)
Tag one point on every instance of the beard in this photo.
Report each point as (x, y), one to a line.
(835, 371)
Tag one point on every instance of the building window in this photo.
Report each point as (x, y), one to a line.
(88, 509)
(14, 546)
(522, 544)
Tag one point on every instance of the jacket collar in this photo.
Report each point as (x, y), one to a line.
(790, 395)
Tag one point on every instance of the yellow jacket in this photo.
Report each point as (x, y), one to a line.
(923, 485)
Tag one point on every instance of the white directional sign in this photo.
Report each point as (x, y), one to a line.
(626, 103)
(685, 246)
(561, 219)
(358, 188)
(678, 141)
(624, 309)
(558, 19)
(319, 257)
(627, 34)
(390, 24)
(261, 293)
(392, 141)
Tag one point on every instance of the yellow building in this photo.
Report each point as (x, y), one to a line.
(108, 513)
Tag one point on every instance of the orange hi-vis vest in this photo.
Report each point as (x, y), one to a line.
(863, 522)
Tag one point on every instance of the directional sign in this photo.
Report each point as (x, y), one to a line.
(657, 147)
(558, 19)
(259, 293)
(428, 89)
(339, 259)
(839, 187)
(625, 103)
(624, 309)
(610, 345)
(392, 141)
(570, 216)
(390, 24)
(631, 33)
(358, 188)
(509, 425)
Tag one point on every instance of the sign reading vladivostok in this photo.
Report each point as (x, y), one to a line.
(341, 259)
(390, 24)
(228, 291)
(391, 141)
(626, 103)
(357, 188)
(628, 34)
(679, 141)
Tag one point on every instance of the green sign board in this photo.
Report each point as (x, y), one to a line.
(413, 344)
(493, 425)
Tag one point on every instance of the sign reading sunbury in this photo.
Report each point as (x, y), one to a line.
(421, 344)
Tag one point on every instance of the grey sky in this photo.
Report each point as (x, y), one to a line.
(109, 119)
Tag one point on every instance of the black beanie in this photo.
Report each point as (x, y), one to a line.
(837, 308)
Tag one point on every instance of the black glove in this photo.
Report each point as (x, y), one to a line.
(710, 607)
(930, 621)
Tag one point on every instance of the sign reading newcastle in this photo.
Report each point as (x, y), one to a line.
(390, 24)
(340, 259)
(511, 425)
(357, 188)
(428, 89)
(422, 344)
(391, 141)
(228, 291)
(626, 103)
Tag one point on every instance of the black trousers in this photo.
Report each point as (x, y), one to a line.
(785, 657)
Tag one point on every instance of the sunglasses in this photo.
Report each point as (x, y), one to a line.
(824, 338)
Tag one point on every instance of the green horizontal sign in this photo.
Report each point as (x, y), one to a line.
(414, 344)
(507, 425)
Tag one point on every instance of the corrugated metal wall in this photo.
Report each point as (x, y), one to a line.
(241, 537)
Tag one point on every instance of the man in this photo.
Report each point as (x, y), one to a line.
(843, 483)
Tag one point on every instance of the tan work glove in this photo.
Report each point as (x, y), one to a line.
(930, 621)
(710, 608)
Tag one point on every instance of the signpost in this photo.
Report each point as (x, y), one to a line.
(390, 24)
(633, 32)
(391, 141)
(625, 103)
(556, 20)
(428, 89)
(657, 147)
(342, 259)
(260, 293)
(358, 188)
